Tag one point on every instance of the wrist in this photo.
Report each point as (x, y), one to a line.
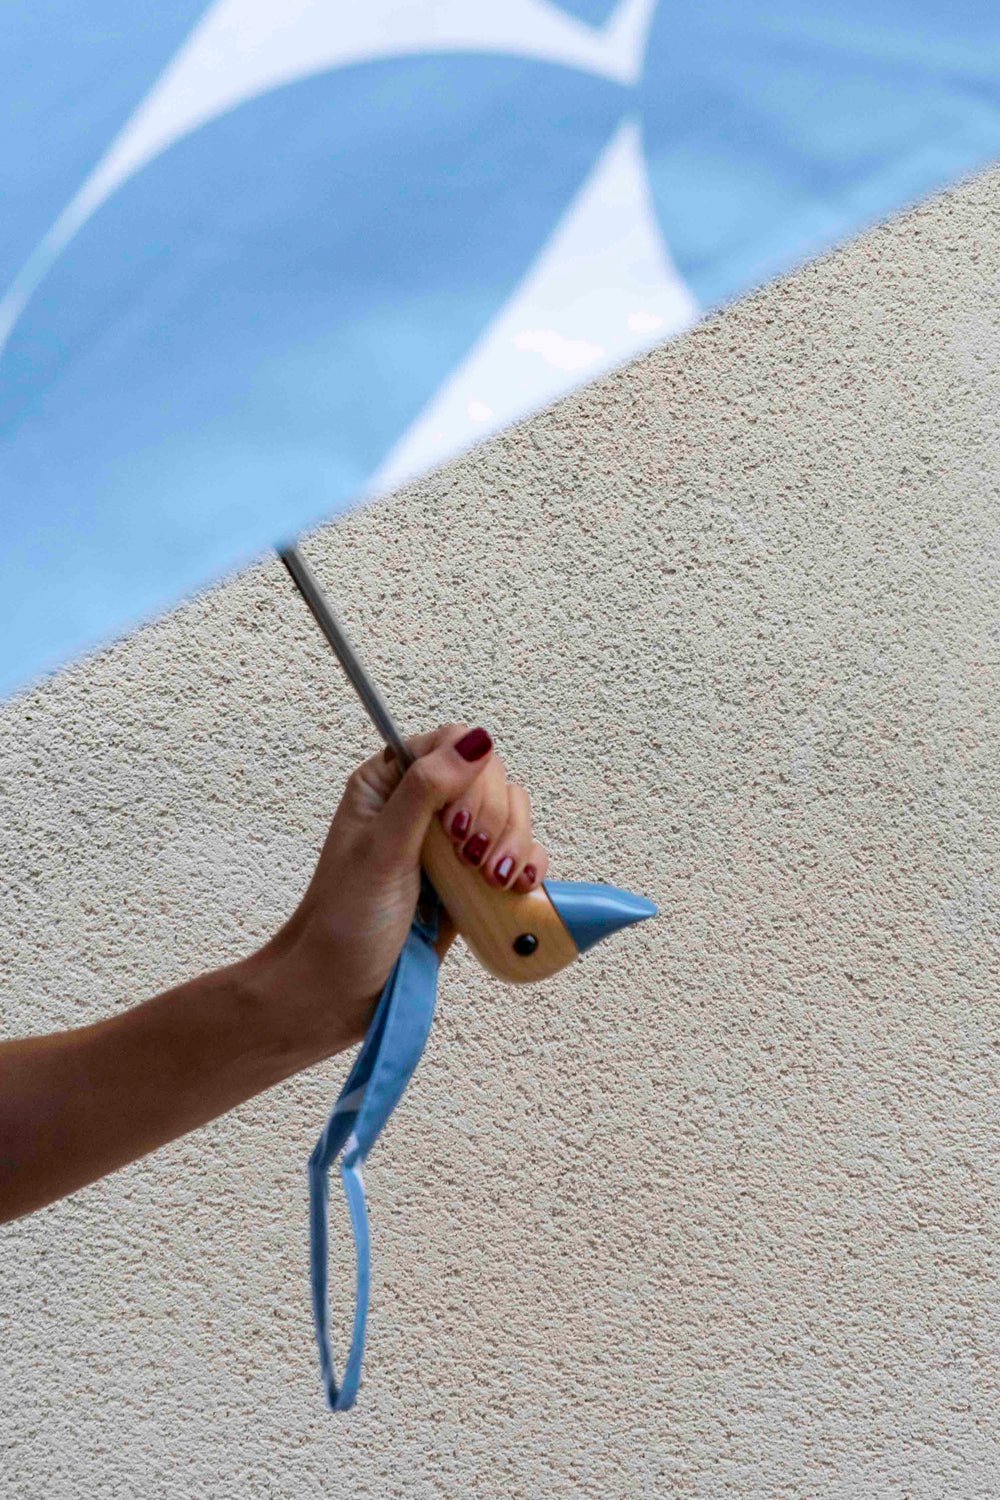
(301, 1021)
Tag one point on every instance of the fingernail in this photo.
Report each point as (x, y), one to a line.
(460, 823)
(504, 867)
(474, 745)
(530, 874)
(476, 848)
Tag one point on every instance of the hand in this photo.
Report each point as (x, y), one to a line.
(331, 960)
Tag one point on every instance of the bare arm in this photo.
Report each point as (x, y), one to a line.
(79, 1104)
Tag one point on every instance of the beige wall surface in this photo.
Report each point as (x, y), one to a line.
(715, 1213)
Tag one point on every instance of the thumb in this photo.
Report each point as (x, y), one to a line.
(454, 761)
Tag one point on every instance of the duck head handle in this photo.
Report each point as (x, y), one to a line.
(525, 938)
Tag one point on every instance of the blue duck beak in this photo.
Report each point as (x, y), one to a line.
(593, 912)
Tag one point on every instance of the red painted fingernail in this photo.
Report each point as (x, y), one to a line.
(474, 745)
(460, 823)
(504, 867)
(530, 874)
(476, 848)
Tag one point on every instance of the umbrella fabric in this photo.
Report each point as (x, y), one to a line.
(261, 259)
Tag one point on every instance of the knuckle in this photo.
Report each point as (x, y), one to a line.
(356, 781)
(365, 846)
(520, 807)
(512, 829)
(519, 841)
(426, 781)
(490, 827)
(420, 776)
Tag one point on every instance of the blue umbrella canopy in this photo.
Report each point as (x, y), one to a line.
(262, 259)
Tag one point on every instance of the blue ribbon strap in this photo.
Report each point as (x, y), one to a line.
(391, 1050)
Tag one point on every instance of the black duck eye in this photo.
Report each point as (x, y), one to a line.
(525, 944)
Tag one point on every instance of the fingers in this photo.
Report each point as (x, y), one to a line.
(488, 802)
(490, 826)
(510, 849)
(533, 871)
(448, 762)
(480, 810)
(487, 818)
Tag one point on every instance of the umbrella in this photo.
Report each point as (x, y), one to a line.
(261, 261)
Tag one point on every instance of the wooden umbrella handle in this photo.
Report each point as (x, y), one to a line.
(519, 938)
(498, 926)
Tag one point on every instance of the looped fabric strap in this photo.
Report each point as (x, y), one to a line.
(384, 1066)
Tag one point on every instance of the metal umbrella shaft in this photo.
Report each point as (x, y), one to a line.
(305, 581)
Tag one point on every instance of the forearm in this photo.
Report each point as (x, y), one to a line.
(79, 1104)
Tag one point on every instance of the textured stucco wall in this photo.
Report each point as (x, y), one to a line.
(713, 1214)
